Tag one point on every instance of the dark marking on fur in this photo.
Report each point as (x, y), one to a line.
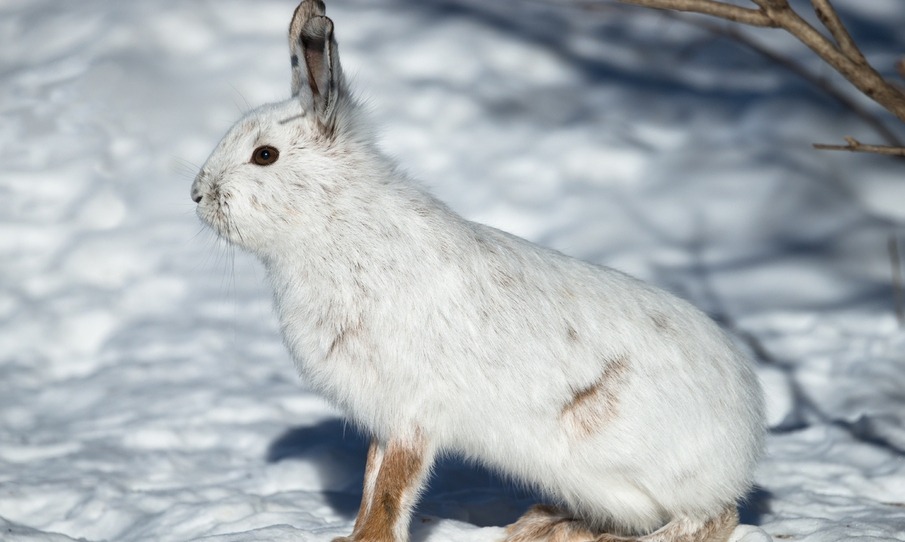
(343, 337)
(593, 406)
(289, 210)
(486, 245)
(294, 60)
(485, 316)
(502, 277)
(421, 210)
(390, 505)
(660, 321)
(571, 333)
(445, 251)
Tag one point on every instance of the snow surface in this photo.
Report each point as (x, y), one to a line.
(144, 391)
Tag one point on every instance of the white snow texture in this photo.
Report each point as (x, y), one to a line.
(144, 390)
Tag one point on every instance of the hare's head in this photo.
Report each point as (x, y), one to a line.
(277, 171)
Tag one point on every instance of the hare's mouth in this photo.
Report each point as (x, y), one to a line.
(214, 210)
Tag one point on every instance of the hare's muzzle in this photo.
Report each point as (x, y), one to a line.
(196, 189)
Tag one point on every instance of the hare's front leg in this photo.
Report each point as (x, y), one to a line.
(394, 475)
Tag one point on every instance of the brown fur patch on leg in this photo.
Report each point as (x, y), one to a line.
(400, 476)
(543, 523)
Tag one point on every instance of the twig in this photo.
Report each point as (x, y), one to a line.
(897, 286)
(754, 17)
(830, 19)
(772, 4)
(856, 146)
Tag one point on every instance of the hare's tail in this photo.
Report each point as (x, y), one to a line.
(548, 524)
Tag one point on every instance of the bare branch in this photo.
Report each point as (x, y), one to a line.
(778, 13)
(787, 19)
(856, 146)
(830, 19)
(863, 76)
(732, 32)
(838, 50)
(753, 17)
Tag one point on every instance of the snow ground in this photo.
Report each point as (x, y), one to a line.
(144, 392)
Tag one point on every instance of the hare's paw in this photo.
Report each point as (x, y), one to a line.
(545, 523)
(343, 539)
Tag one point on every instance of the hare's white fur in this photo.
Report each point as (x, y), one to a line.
(411, 319)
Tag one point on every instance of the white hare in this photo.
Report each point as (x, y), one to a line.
(628, 407)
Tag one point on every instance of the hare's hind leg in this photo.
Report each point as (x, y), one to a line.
(544, 523)
(547, 524)
(715, 529)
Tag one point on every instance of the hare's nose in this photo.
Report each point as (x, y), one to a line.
(196, 189)
(197, 192)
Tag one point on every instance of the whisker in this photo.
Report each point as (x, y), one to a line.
(185, 167)
(247, 105)
(201, 229)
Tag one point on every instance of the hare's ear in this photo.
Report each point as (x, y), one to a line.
(317, 78)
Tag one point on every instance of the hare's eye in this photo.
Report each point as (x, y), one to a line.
(264, 156)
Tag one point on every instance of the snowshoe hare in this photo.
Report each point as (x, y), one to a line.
(625, 405)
